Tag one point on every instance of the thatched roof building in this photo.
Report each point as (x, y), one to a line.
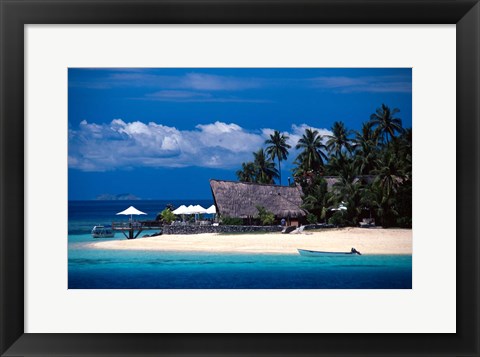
(240, 199)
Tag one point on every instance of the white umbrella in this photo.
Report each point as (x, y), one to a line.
(212, 209)
(180, 210)
(199, 209)
(189, 210)
(194, 210)
(130, 211)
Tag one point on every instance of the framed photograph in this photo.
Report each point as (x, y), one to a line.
(239, 178)
(249, 227)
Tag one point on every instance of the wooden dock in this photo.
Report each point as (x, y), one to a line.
(135, 228)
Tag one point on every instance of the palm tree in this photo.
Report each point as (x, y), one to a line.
(390, 174)
(371, 199)
(366, 135)
(247, 173)
(365, 146)
(337, 164)
(312, 156)
(386, 123)
(316, 198)
(339, 140)
(265, 168)
(347, 190)
(405, 152)
(278, 148)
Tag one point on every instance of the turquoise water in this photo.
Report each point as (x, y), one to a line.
(114, 269)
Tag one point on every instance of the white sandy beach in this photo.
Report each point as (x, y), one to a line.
(367, 241)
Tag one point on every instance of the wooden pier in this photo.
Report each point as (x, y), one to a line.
(135, 228)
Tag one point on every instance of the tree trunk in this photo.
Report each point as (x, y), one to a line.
(279, 172)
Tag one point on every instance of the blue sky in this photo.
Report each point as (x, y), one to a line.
(163, 133)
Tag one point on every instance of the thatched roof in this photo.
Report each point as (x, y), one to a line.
(239, 199)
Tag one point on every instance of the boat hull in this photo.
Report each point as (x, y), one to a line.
(111, 235)
(315, 253)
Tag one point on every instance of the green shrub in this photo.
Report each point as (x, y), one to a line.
(311, 218)
(404, 222)
(167, 216)
(231, 221)
(337, 219)
(266, 218)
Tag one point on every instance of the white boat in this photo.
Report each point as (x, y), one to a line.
(316, 253)
(102, 232)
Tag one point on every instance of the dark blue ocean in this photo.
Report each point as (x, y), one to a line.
(83, 215)
(90, 268)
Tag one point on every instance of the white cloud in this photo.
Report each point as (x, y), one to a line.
(195, 81)
(299, 130)
(374, 84)
(230, 137)
(266, 132)
(177, 95)
(94, 147)
(103, 147)
(202, 81)
(197, 97)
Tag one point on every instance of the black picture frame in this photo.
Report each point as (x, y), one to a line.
(16, 13)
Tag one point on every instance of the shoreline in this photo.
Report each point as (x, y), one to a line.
(376, 241)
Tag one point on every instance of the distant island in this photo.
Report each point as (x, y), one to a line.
(119, 197)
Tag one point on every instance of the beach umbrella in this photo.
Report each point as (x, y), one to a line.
(189, 210)
(180, 210)
(195, 210)
(130, 211)
(199, 209)
(212, 209)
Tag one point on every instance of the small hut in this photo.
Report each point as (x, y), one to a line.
(240, 199)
